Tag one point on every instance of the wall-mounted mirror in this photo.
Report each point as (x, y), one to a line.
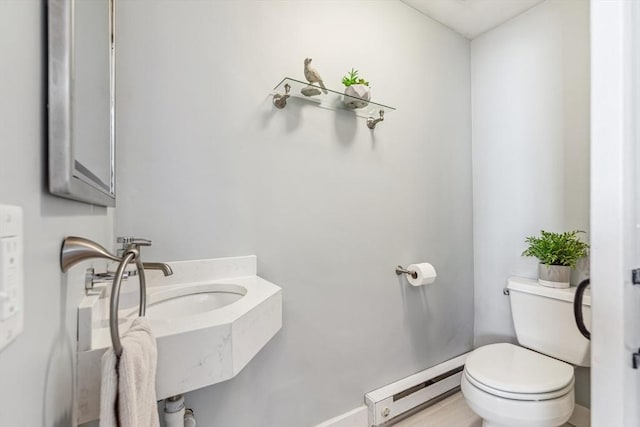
(81, 100)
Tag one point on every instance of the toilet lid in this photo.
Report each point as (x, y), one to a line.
(514, 369)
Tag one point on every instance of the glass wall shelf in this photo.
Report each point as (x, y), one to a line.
(332, 100)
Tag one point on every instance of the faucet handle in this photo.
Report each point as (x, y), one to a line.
(129, 242)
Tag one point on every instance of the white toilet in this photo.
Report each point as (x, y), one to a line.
(512, 386)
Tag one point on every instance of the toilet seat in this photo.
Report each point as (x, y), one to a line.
(519, 396)
(516, 373)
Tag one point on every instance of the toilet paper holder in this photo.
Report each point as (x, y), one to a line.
(401, 270)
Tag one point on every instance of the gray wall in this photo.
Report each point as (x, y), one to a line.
(37, 370)
(530, 91)
(207, 167)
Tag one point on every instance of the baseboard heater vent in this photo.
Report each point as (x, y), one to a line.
(400, 398)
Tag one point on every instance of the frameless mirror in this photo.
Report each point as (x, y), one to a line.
(82, 100)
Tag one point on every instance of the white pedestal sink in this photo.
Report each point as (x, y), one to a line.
(210, 318)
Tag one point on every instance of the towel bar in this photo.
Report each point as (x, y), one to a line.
(131, 254)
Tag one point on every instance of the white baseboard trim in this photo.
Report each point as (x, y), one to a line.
(355, 418)
(581, 417)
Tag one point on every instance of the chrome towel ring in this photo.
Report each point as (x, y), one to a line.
(129, 256)
(77, 249)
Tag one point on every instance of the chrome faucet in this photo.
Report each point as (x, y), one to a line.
(78, 249)
(165, 268)
(129, 243)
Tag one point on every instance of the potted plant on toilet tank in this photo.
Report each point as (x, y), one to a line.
(557, 253)
(357, 92)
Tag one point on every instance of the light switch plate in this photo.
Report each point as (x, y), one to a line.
(11, 274)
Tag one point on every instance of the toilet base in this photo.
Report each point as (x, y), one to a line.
(500, 412)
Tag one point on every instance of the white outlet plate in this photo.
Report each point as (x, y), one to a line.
(11, 274)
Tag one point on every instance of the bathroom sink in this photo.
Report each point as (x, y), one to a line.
(209, 318)
(189, 300)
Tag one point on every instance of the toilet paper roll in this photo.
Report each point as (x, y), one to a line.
(425, 274)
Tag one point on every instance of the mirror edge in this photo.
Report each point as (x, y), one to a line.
(62, 181)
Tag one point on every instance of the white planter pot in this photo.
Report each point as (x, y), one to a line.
(357, 96)
(554, 276)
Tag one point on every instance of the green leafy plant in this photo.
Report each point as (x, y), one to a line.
(352, 78)
(557, 248)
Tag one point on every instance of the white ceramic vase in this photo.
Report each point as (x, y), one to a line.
(357, 96)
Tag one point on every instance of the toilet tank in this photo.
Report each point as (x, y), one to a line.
(544, 321)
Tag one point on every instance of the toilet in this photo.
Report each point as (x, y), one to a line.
(530, 384)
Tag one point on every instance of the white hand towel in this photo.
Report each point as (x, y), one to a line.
(128, 394)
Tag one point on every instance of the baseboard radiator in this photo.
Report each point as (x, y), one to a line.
(401, 398)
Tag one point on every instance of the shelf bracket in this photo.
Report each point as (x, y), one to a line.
(281, 100)
(371, 122)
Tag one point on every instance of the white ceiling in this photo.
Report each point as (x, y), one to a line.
(471, 17)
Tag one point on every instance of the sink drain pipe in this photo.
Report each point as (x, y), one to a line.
(189, 418)
(175, 414)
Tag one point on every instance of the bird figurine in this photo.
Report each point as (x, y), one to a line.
(312, 75)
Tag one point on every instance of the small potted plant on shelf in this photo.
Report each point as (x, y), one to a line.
(357, 92)
(558, 253)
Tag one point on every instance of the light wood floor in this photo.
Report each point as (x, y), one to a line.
(450, 412)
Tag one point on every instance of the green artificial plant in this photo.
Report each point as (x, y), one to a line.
(557, 248)
(352, 78)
